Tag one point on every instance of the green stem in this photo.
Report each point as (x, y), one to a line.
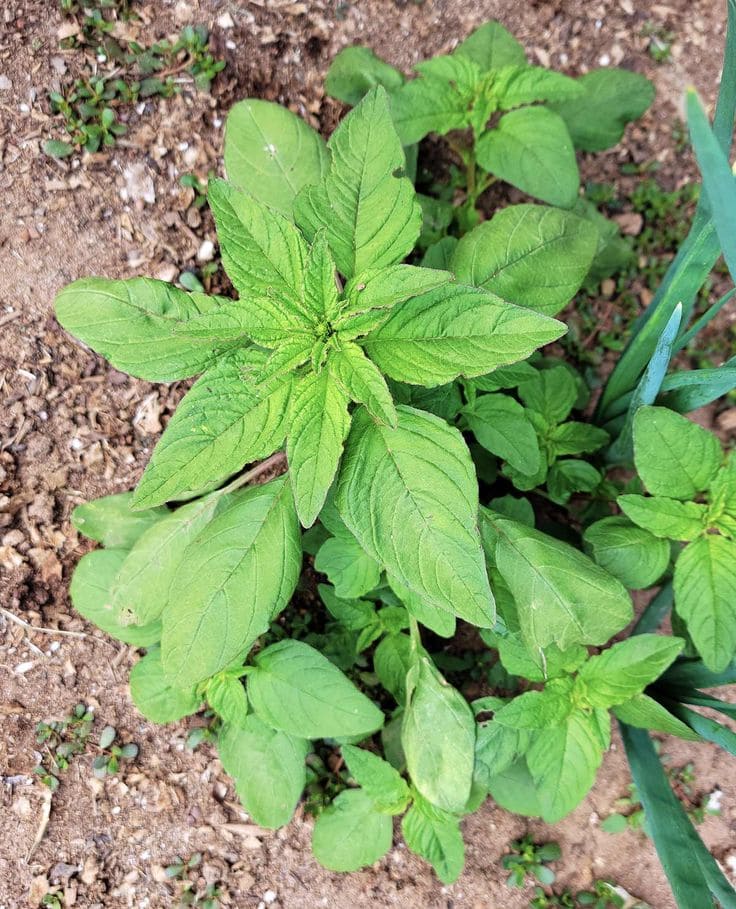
(416, 635)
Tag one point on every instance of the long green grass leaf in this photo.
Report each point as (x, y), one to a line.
(704, 320)
(695, 674)
(709, 729)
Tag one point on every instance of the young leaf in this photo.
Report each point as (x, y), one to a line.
(491, 46)
(271, 153)
(576, 438)
(438, 737)
(625, 669)
(355, 71)
(498, 422)
(537, 709)
(319, 424)
(371, 215)
(705, 597)
(226, 696)
(568, 476)
(422, 526)
(297, 690)
(362, 382)
(392, 660)
(612, 97)
(551, 393)
(674, 456)
(226, 420)
(646, 713)
(666, 518)
(354, 614)
(455, 330)
(514, 86)
(351, 833)
(90, 592)
(111, 521)
(350, 569)
(378, 779)
(152, 694)
(496, 749)
(582, 603)
(630, 553)
(531, 149)
(141, 326)
(236, 575)
(435, 835)
(530, 255)
(267, 767)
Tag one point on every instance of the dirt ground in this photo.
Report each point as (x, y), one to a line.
(72, 428)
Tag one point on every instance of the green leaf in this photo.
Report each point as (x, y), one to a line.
(626, 669)
(410, 497)
(674, 456)
(576, 438)
(319, 425)
(612, 98)
(705, 597)
(498, 422)
(563, 762)
(226, 420)
(362, 382)
(646, 713)
(551, 393)
(271, 153)
(58, 149)
(664, 517)
(515, 790)
(371, 215)
(435, 836)
(90, 592)
(530, 255)
(491, 46)
(350, 569)
(519, 509)
(392, 660)
(141, 326)
(297, 690)
(155, 697)
(354, 614)
(439, 255)
(531, 149)
(562, 596)
(236, 575)
(630, 553)
(568, 476)
(267, 767)
(538, 709)
(351, 833)
(355, 71)
(514, 86)
(439, 621)
(455, 330)
(438, 737)
(226, 696)
(378, 779)
(111, 521)
(496, 749)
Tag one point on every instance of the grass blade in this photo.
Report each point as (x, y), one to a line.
(695, 674)
(655, 612)
(704, 320)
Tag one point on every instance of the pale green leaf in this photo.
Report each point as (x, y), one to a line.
(111, 521)
(378, 779)
(435, 836)
(226, 696)
(353, 613)
(646, 713)
(630, 553)
(392, 660)
(576, 438)
(350, 569)
(551, 393)
(514, 86)
(538, 709)
(155, 697)
(664, 517)
(362, 382)
(492, 46)
(351, 833)
(355, 71)
(498, 422)
(496, 749)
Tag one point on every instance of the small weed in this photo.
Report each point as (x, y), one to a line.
(660, 41)
(190, 895)
(108, 762)
(530, 858)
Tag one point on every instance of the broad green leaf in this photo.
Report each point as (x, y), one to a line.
(535, 665)
(267, 767)
(563, 762)
(562, 596)
(362, 382)
(226, 420)
(378, 779)
(320, 284)
(576, 438)
(236, 575)
(496, 749)
(498, 422)
(141, 326)
(155, 697)
(442, 400)
(354, 614)
(568, 476)
(664, 517)
(531, 149)
(111, 521)
(514, 86)
(438, 737)
(297, 690)
(392, 660)
(538, 709)
(674, 456)
(646, 713)
(350, 569)
(530, 255)
(435, 835)
(439, 255)
(630, 553)
(226, 696)
(491, 46)
(271, 153)
(91, 595)
(440, 621)
(355, 71)
(505, 377)
(705, 597)
(142, 587)
(551, 392)
(455, 330)
(625, 669)
(437, 215)
(370, 213)
(612, 97)
(519, 509)
(410, 497)
(351, 833)
(515, 790)
(319, 423)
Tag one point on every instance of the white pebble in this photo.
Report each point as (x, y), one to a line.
(206, 251)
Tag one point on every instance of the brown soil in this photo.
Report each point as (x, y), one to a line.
(73, 428)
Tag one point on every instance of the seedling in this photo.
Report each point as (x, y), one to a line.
(189, 895)
(61, 741)
(108, 762)
(529, 858)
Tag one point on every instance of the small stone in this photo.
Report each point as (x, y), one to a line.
(5, 83)
(608, 287)
(206, 251)
(225, 21)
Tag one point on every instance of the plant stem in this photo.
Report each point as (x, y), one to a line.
(275, 460)
(416, 635)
